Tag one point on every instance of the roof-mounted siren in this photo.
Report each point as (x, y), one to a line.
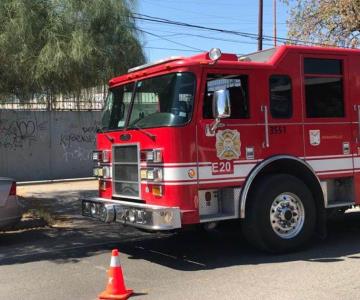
(215, 54)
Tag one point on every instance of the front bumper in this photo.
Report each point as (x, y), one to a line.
(152, 217)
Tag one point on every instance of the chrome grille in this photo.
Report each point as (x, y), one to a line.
(126, 171)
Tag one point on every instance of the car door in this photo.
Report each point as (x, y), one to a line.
(327, 118)
(227, 155)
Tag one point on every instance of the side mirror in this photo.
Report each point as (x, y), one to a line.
(221, 104)
(221, 110)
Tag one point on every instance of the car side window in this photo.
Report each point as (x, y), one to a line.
(324, 90)
(237, 86)
(280, 96)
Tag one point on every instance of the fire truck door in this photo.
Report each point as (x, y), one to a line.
(227, 154)
(328, 114)
(354, 88)
(281, 116)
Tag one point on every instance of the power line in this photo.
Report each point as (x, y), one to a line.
(171, 41)
(234, 32)
(202, 21)
(165, 21)
(172, 49)
(206, 3)
(198, 35)
(166, 36)
(192, 12)
(213, 38)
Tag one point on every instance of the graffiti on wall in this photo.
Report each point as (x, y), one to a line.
(79, 142)
(55, 144)
(21, 133)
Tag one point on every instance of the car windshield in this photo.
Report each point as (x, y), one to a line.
(116, 107)
(165, 100)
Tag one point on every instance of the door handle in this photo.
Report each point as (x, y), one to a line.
(264, 109)
(358, 121)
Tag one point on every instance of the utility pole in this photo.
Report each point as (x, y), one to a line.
(275, 31)
(260, 25)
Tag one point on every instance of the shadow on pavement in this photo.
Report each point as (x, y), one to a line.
(195, 251)
(70, 236)
(187, 251)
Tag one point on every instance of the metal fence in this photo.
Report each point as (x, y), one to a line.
(89, 100)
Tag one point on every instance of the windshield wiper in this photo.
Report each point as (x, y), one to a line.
(111, 139)
(150, 135)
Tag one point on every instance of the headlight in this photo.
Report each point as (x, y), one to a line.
(151, 174)
(93, 209)
(155, 174)
(86, 208)
(102, 213)
(106, 156)
(107, 172)
(152, 155)
(164, 217)
(132, 215)
(97, 155)
(149, 155)
(98, 172)
(104, 172)
(101, 156)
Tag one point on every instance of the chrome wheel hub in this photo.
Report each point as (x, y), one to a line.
(287, 215)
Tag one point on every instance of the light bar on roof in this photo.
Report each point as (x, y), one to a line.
(161, 61)
(215, 54)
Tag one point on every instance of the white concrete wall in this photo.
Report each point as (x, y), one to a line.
(41, 145)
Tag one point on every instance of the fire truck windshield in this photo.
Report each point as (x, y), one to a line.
(165, 100)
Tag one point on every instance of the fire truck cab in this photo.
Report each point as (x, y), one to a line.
(272, 138)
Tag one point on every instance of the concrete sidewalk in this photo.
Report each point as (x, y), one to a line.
(57, 203)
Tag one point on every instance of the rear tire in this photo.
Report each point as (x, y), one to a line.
(280, 214)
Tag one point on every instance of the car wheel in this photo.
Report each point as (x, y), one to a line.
(280, 215)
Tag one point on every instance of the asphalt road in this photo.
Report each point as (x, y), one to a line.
(70, 261)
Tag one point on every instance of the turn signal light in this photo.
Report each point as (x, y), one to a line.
(157, 190)
(13, 189)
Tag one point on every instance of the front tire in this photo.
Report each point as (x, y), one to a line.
(280, 215)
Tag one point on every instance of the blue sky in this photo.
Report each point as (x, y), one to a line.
(239, 15)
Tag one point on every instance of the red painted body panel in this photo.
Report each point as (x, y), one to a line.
(171, 141)
(188, 148)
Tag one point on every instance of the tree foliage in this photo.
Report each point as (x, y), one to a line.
(333, 22)
(63, 46)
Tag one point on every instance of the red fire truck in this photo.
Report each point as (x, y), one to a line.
(271, 138)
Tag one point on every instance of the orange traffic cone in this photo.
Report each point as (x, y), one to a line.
(115, 288)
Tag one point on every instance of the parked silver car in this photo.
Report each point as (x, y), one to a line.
(10, 210)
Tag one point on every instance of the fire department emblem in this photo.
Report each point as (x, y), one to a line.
(314, 136)
(228, 144)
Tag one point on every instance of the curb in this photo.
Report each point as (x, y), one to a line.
(22, 183)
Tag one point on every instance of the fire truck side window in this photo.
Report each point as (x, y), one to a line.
(238, 90)
(324, 88)
(280, 96)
